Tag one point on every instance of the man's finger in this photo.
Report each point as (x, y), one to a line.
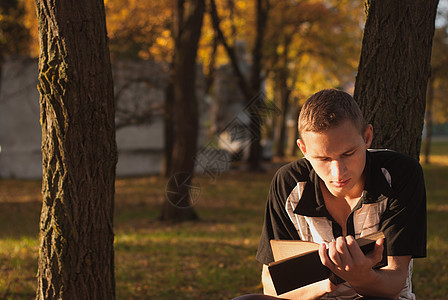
(333, 252)
(344, 252)
(377, 254)
(323, 254)
(353, 247)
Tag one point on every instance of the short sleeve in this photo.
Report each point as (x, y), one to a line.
(404, 221)
(277, 224)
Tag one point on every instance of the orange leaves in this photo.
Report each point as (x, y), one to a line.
(139, 29)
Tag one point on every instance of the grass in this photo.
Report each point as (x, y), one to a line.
(210, 259)
(431, 274)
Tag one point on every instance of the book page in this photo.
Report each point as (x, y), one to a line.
(285, 248)
(369, 238)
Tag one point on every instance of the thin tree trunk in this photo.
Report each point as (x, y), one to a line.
(255, 154)
(242, 81)
(284, 93)
(294, 134)
(178, 207)
(283, 96)
(211, 68)
(76, 256)
(394, 70)
(168, 125)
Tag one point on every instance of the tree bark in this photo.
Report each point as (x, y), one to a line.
(394, 69)
(429, 120)
(188, 15)
(76, 256)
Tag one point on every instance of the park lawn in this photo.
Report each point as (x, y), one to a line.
(213, 258)
(431, 274)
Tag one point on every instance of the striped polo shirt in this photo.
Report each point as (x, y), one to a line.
(393, 200)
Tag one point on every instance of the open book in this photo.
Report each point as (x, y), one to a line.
(297, 263)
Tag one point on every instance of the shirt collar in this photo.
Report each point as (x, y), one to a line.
(311, 202)
(376, 188)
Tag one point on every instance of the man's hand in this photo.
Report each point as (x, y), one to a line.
(344, 258)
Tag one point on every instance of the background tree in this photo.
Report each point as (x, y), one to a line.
(301, 34)
(76, 258)
(394, 69)
(307, 45)
(250, 87)
(14, 36)
(183, 111)
(256, 82)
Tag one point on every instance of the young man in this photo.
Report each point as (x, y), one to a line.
(340, 191)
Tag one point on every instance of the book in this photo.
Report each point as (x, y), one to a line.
(297, 263)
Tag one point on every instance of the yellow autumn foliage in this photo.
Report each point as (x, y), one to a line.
(323, 51)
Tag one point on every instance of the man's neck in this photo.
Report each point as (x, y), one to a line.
(340, 206)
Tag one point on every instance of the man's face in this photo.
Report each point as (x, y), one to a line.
(338, 156)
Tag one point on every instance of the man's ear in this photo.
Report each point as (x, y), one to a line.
(368, 135)
(302, 147)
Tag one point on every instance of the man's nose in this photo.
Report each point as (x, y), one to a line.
(338, 169)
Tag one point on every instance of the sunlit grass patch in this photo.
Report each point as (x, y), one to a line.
(18, 267)
(441, 160)
(439, 154)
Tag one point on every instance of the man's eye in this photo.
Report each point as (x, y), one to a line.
(349, 153)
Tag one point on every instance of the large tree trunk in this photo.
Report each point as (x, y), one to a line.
(394, 71)
(188, 15)
(76, 256)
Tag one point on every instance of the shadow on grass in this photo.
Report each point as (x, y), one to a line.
(19, 219)
(166, 266)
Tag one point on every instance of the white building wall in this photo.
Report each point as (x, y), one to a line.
(140, 147)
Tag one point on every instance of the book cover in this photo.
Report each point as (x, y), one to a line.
(297, 263)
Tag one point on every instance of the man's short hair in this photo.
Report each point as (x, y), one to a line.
(327, 109)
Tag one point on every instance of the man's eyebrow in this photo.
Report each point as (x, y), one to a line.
(354, 148)
(319, 156)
